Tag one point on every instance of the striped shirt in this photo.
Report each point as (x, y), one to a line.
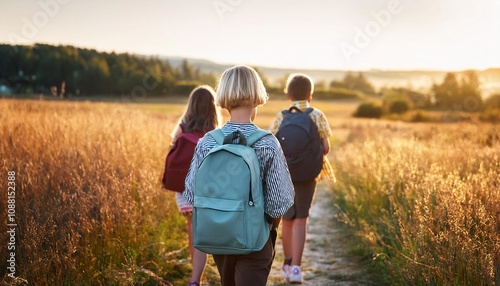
(277, 185)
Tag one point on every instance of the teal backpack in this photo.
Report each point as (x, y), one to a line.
(228, 215)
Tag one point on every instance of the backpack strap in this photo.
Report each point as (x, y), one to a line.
(309, 110)
(218, 135)
(292, 109)
(222, 139)
(256, 136)
(296, 109)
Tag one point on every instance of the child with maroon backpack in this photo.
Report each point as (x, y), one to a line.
(201, 115)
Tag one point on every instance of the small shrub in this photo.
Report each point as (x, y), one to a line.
(396, 101)
(369, 109)
(422, 116)
(490, 115)
(399, 106)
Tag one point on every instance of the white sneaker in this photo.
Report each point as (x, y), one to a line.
(295, 275)
(286, 271)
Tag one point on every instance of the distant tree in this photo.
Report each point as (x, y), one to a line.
(417, 99)
(470, 92)
(446, 93)
(188, 72)
(355, 82)
(337, 84)
(208, 78)
(458, 95)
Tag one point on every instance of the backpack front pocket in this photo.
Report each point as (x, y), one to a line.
(219, 224)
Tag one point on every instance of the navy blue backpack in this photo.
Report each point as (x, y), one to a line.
(300, 141)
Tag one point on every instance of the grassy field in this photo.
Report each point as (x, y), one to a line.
(425, 199)
(89, 207)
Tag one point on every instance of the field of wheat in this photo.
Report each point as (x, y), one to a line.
(424, 198)
(88, 203)
(89, 209)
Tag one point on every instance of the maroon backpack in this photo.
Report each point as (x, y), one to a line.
(179, 159)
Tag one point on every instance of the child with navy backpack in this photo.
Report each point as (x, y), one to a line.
(201, 115)
(240, 91)
(303, 133)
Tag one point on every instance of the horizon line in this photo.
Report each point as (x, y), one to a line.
(257, 65)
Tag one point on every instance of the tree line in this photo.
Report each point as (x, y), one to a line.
(68, 70)
(71, 71)
(457, 95)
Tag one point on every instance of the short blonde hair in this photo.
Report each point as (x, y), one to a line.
(240, 86)
(299, 86)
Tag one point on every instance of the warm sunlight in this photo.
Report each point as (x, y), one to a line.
(250, 142)
(355, 35)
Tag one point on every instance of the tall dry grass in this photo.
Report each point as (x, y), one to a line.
(425, 199)
(89, 206)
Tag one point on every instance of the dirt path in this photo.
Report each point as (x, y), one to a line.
(326, 259)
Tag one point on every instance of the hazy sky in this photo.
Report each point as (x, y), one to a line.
(329, 34)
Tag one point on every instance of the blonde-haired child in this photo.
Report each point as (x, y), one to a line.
(241, 91)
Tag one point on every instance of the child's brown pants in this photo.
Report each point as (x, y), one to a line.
(249, 269)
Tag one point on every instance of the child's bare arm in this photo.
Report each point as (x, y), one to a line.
(326, 145)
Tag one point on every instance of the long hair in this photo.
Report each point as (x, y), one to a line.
(201, 113)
